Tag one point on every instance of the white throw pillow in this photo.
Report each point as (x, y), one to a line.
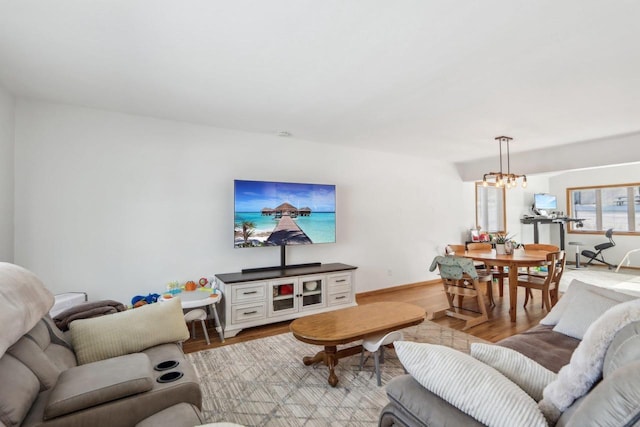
(525, 372)
(128, 331)
(585, 308)
(468, 384)
(576, 287)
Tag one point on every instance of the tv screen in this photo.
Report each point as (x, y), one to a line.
(545, 201)
(283, 213)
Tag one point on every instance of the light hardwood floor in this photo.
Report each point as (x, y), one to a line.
(430, 296)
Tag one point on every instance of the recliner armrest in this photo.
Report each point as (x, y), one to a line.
(93, 384)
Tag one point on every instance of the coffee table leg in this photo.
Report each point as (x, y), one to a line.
(332, 361)
(329, 357)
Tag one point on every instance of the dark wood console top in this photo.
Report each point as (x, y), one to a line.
(288, 272)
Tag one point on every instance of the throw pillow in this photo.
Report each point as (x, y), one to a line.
(585, 308)
(576, 287)
(585, 368)
(468, 384)
(525, 372)
(128, 332)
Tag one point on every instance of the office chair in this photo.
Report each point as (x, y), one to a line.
(593, 256)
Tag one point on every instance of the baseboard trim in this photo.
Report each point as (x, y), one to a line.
(397, 288)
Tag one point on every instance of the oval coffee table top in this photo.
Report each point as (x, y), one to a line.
(354, 323)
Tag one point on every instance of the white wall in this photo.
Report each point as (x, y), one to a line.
(6, 175)
(119, 205)
(622, 174)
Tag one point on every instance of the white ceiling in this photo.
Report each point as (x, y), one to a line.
(435, 78)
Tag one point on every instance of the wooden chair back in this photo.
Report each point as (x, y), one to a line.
(541, 247)
(479, 246)
(548, 284)
(454, 249)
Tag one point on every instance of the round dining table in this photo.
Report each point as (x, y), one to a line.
(519, 258)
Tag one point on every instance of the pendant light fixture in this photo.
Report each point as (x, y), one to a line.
(502, 179)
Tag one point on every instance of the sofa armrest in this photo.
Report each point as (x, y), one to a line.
(93, 384)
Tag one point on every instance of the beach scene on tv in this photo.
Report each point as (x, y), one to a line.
(280, 213)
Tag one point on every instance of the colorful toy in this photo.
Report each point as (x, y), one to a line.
(203, 281)
(140, 300)
(190, 286)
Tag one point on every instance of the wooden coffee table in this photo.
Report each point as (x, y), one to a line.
(351, 324)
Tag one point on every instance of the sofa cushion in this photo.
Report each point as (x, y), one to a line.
(613, 402)
(180, 415)
(96, 383)
(585, 369)
(28, 352)
(526, 373)
(18, 390)
(128, 332)
(417, 406)
(624, 349)
(469, 385)
(576, 287)
(20, 288)
(550, 349)
(586, 306)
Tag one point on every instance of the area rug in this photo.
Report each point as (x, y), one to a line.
(622, 282)
(264, 382)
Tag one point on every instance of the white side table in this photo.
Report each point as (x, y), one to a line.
(577, 245)
(195, 299)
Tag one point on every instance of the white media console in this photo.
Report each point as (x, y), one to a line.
(261, 297)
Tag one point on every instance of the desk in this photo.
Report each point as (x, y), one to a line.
(544, 220)
(195, 299)
(514, 261)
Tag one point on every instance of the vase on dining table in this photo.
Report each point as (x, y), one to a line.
(501, 249)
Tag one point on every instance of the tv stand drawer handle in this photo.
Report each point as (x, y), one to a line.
(246, 313)
(341, 280)
(341, 297)
(249, 293)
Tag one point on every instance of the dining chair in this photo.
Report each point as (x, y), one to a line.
(460, 278)
(454, 249)
(499, 273)
(541, 247)
(483, 272)
(375, 345)
(479, 246)
(548, 284)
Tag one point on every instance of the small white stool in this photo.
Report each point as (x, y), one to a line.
(197, 314)
(577, 245)
(375, 344)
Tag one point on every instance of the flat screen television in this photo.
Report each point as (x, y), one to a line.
(545, 202)
(282, 214)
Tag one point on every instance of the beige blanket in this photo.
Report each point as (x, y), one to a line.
(23, 302)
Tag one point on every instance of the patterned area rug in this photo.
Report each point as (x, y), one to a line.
(264, 383)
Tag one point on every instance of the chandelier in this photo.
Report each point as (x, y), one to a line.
(502, 179)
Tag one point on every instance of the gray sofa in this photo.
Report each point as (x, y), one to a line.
(42, 384)
(616, 397)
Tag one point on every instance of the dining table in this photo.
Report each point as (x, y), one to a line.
(518, 259)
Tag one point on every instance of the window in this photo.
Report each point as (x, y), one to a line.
(490, 208)
(604, 207)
